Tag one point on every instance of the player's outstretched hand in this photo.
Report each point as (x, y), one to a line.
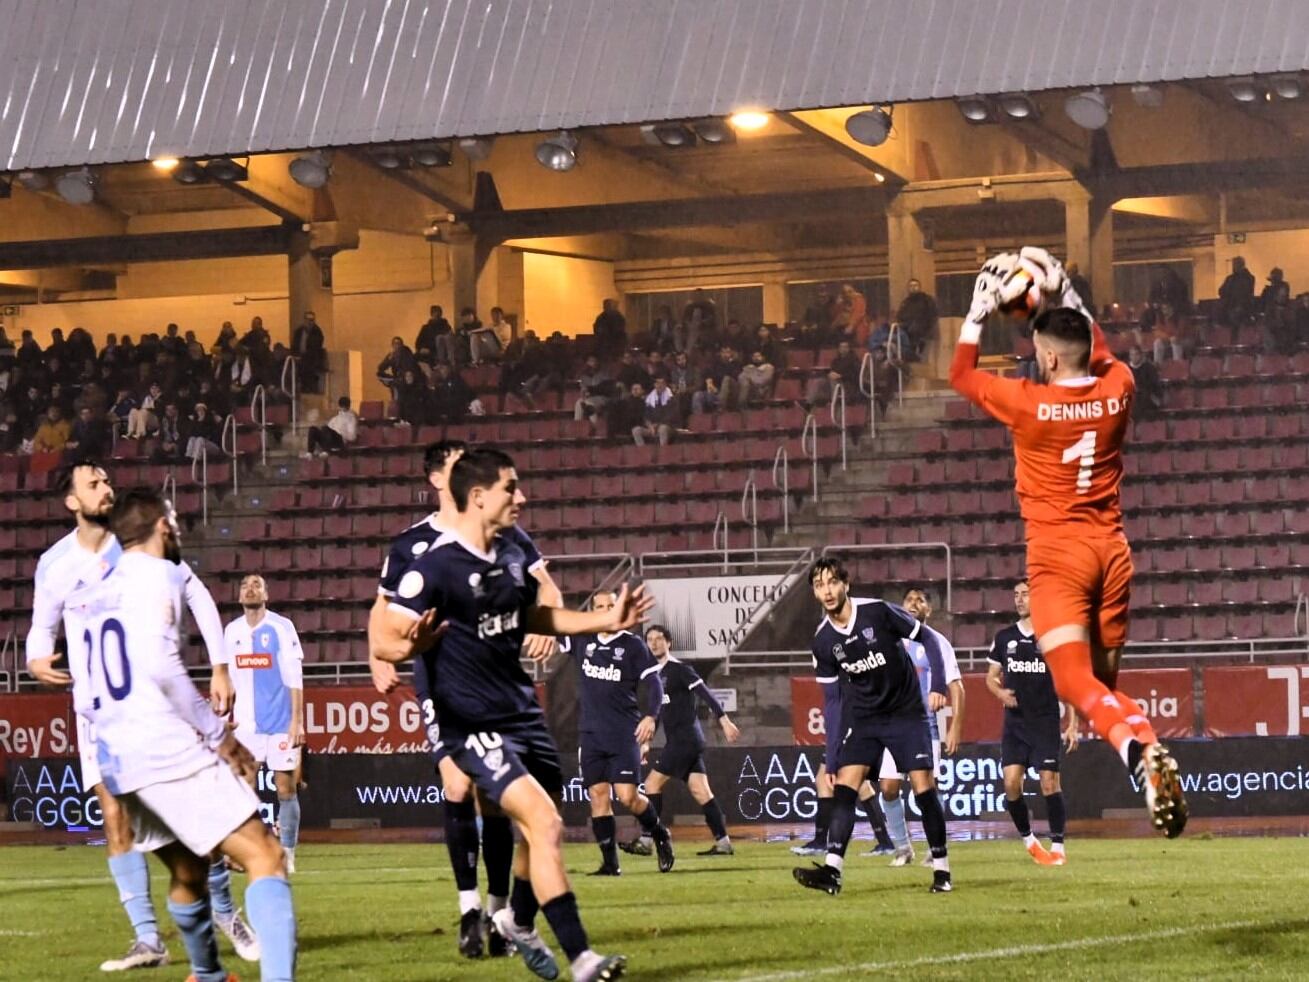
(385, 677)
(645, 730)
(936, 702)
(1071, 736)
(1008, 699)
(986, 288)
(952, 741)
(232, 752)
(731, 732)
(222, 694)
(629, 609)
(427, 631)
(44, 671)
(296, 734)
(540, 647)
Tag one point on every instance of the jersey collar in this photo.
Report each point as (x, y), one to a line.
(1025, 634)
(606, 638)
(854, 613)
(1074, 383)
(434, 522)
(449, 535)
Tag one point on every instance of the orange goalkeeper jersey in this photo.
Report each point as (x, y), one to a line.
(1068, 438)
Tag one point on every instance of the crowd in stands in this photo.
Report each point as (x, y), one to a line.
(168, 392)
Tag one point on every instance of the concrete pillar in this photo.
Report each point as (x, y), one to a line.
(775, 311)
(908, 258)
(309, 287)
(463, 277)
(1089, 236)
(500, 284)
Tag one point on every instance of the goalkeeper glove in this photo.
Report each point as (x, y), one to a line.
(986, 295)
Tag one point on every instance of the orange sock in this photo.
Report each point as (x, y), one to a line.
(1136, 718)
(1070, 664)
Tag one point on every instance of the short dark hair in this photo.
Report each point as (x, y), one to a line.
(829, 564)
(1068, 326)
(65, 476)
(436, 454)
(926, 592)
(662, 629)
(343, 402)
(477, 469)
(134, 516)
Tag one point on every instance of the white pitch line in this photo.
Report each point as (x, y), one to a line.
(1016, 951)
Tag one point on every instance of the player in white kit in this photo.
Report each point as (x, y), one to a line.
(180, 776)
(85, 554)
(264, 652)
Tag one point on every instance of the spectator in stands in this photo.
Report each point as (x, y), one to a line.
(609, 328)
(30, 407)
(663, 331)
(597, 389)
(501, 328)
(1149, 386)
(1169, 332)
(699, 318)
(391, 369)
(717, 392)
(11, 429)
(6, 345)
(1279, 317)
(558, 356)
(235, 372)
(806, 335)
(91, 435)
(172, 341)
(202, 432)
(144, 420)
(1278, 291)
(757, 379)
(171, 443)
(682, 379)
(451, 398)
(482, 341)
(340, 431)
(53, 434)
(1169, 288)
(917, 317)
(29, 352)
(765, 340)
(257, 337)
(736, 335)
(226, 340)
(411, 398)
(1236, 295)
(627, 413)
(631, 372)
(853, 308)
(308, 347)
(122, 409)
(1300, 318)
(217, 401)
(1081, 285)
(57, 345)
(429, 346)
(843, 370)
(661, 415)
(522, 371)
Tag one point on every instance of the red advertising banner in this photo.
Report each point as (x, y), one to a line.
(1164, 693)
(39, 724)
(1259, 700)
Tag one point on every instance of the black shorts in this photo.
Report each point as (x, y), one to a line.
(495, 758)
(907, 739)
(680, 760)
(1032, 743)
(604, 762)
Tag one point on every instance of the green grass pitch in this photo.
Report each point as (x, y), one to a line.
(1139, 908)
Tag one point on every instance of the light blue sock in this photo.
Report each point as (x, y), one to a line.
(132, 877)
(288, 818)
(220, 889)
(895, 823)
(272, 915)
(197, 928)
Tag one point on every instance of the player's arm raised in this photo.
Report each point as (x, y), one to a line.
(629, 610)
(998, 397)
(543, 647)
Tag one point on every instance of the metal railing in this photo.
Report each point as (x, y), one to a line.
(895, 357)
(780, 459)
(169, 488)
(290, 368)
(229, 430)
(259, 415)
(9, 655)
(809, 446)
(200, 473)
(720, 522)
(1301, 607)
(803, 558)
(750, 509)
(846, 550)
(868, 386)
(624, 566)
(838, 419)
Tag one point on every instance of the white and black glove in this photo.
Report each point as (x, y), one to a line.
(986, 295)
(1049, 277)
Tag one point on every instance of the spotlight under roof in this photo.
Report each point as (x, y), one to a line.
(748, 120)
(975, 108)
(188, 172)
(672, 134)
(32, 180)
(311, 170)
(432, 155)
(714, 130)
(558, 153)
(871, 127)
(227, 169)
(1089, 109)
(1019, 105)
(77, 187)
(1148, 96)
(1287, 86)
(1243, 89)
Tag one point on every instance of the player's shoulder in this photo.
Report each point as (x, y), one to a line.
(1006, 634)
(516, 536)
(416, 539)
(60, 552)
(278, 620)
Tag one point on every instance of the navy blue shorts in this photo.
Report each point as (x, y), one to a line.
(1032, 743)
(427, 708)
(603, 762)
(495, 758)
(680, 760)
(906, 739)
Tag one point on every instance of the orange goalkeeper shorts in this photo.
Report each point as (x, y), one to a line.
(1081, 580)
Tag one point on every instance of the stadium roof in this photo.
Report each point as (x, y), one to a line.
(103, 81)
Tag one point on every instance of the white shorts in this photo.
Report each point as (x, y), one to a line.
(272, 749)
(86, 750)
(889, 772)
(199, 811)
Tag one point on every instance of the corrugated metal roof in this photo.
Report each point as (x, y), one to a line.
(95, 81)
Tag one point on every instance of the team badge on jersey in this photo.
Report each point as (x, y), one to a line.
(838, 651)
(869, 635)
(516, 571)
(475, 584)
(618, 654)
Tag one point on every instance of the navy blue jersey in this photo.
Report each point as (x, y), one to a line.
(1026, 673)
(421, 536)
(473, 673)
(609, 671)
(682, 687)
(876, 675)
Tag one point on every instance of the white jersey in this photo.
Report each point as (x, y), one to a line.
(151, 723)
(265, 661)
(66, 567)
(919, 655)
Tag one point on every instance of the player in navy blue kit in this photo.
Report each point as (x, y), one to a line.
(620, 693)
(460, 809)
(870, 684)
(1018, 676)
(682, 755)
(464, 608)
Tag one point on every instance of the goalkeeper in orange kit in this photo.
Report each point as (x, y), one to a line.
(1068, 435)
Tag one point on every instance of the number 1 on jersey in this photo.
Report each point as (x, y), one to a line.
(1083, 452)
